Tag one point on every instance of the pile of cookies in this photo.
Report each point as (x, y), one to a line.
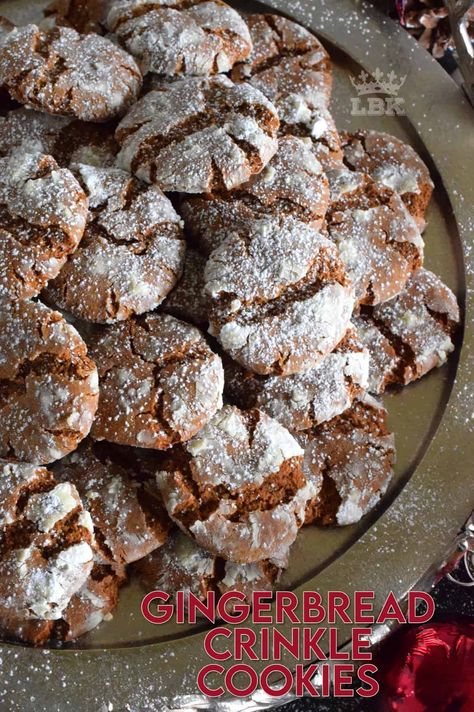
(203, 289)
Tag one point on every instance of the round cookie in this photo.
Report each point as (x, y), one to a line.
(349, 460)
(49, 385)
(59, 71)
(43, 212)
(128, 517)
(67, 140)
(159, 382)
(291, 67)
(303, 400)
(82, 15)
(131, 255)
(392, 163)
(281, 298)
(292, 184)
(182, 565)
(378, 240)
(46, 542)
(181, 37)
(187, 301)
(412, 333)
(198, 135)
(237, 487)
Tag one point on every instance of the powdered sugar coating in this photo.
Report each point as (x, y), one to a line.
(173, 38)
(43, 213)
(303, 400)
(132, 252)
(351, 457)
(50, 385)
(197, 135)
(281, 301)
(62, 72)
(237, 488)
(293, 183)
(419, 325)
(378, 240)
(159, 382)
(46, 553)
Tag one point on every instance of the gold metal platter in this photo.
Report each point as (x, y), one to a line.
(128, 664)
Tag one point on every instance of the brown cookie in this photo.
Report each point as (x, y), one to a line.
(131, 255)
(349, 460)
(43, 212)
(182, 565)
(82, 15)
(410, 334)
(237, 487)
(198, 135)
(181, 37)
(187, 301)
(378, 240)
(49, 386)
(281, 298)
(291, 67)
(67, 140)
(159, 382)
(46, 542)
(292, 184)
(392, 163)
(303, 400)
(128, 517)
(59, 71)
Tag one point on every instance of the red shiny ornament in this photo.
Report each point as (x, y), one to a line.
(429, 668)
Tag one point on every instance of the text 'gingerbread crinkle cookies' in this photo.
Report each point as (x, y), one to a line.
(237, 488)
(392, 163)
(180, 37)
(378, 240)
(293, 184)
(410, 334)
(198, 135)
(59, 71)
(159, 382)
(46, 542)
(182, 565)
(43, 212)
(303, 400)
(349, 460)
(291, 67)
(281, 300)
(48, 385)
(67, 140)
(129, 519)
(132, 252)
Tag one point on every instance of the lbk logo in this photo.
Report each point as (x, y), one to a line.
(389, 85)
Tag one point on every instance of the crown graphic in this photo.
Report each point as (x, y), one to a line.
(379, 83)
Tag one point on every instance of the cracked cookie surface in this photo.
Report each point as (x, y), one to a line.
(349, 460)
(291, 67)
(303, 400)
(393, 163)
(43, 212)
(131, 254)
(280, 297)
(159, 381)
(46, 545)
(292, 184)
(378, 240)
(237, 487)
(62, 72)
(180, 37)
(198, 135)
(48, 384)
(410, 334)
